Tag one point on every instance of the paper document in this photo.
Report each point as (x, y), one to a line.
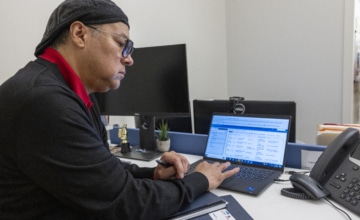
(222, 214)
(309, 158)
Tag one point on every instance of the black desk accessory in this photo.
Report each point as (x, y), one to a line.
(147, 150)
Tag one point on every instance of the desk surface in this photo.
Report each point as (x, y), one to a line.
(270, 204)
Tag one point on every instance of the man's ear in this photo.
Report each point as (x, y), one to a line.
(78, 32)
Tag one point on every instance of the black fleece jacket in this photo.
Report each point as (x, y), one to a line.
(55, 162)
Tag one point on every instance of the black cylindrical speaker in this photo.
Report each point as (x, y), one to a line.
(147, 132)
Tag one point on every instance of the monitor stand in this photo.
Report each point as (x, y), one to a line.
(147, 150)
(137, 153)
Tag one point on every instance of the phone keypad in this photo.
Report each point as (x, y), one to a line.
(351, 193)
(344, 185)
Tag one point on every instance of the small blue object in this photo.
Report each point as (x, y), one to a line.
(250, 188)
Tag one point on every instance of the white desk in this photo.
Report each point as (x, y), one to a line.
(270, 204)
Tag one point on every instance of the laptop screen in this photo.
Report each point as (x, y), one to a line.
(248, 139)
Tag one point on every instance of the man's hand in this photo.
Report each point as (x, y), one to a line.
(179, 166)
(214, 172)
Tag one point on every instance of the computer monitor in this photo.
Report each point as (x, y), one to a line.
(154, 88)
(157, 83)
(203, 110)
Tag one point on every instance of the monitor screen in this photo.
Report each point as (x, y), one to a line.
(203, 110)
(157, 85)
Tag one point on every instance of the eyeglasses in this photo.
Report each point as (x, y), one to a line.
(127, 46)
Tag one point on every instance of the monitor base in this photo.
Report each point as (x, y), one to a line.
(137, 153)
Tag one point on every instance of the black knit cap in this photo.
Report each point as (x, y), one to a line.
(87, 11)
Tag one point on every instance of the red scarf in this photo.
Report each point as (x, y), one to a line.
(72, 79)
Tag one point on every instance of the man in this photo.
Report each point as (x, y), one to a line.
(55, 162)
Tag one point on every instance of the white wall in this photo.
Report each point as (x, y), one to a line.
(265, 50)
(199, 24)
(22, 25)
(289, 50)
(156, 22)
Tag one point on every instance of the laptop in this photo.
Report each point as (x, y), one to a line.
(256, 143)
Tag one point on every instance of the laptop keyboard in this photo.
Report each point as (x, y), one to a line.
(246, 173)
(253, 174)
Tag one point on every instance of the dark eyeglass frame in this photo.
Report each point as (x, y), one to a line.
(127, 50)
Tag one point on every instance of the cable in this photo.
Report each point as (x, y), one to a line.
(294, 193)
(290, 172)
(298, 194)
(280, 180)
(293, 172)
(339, 209)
